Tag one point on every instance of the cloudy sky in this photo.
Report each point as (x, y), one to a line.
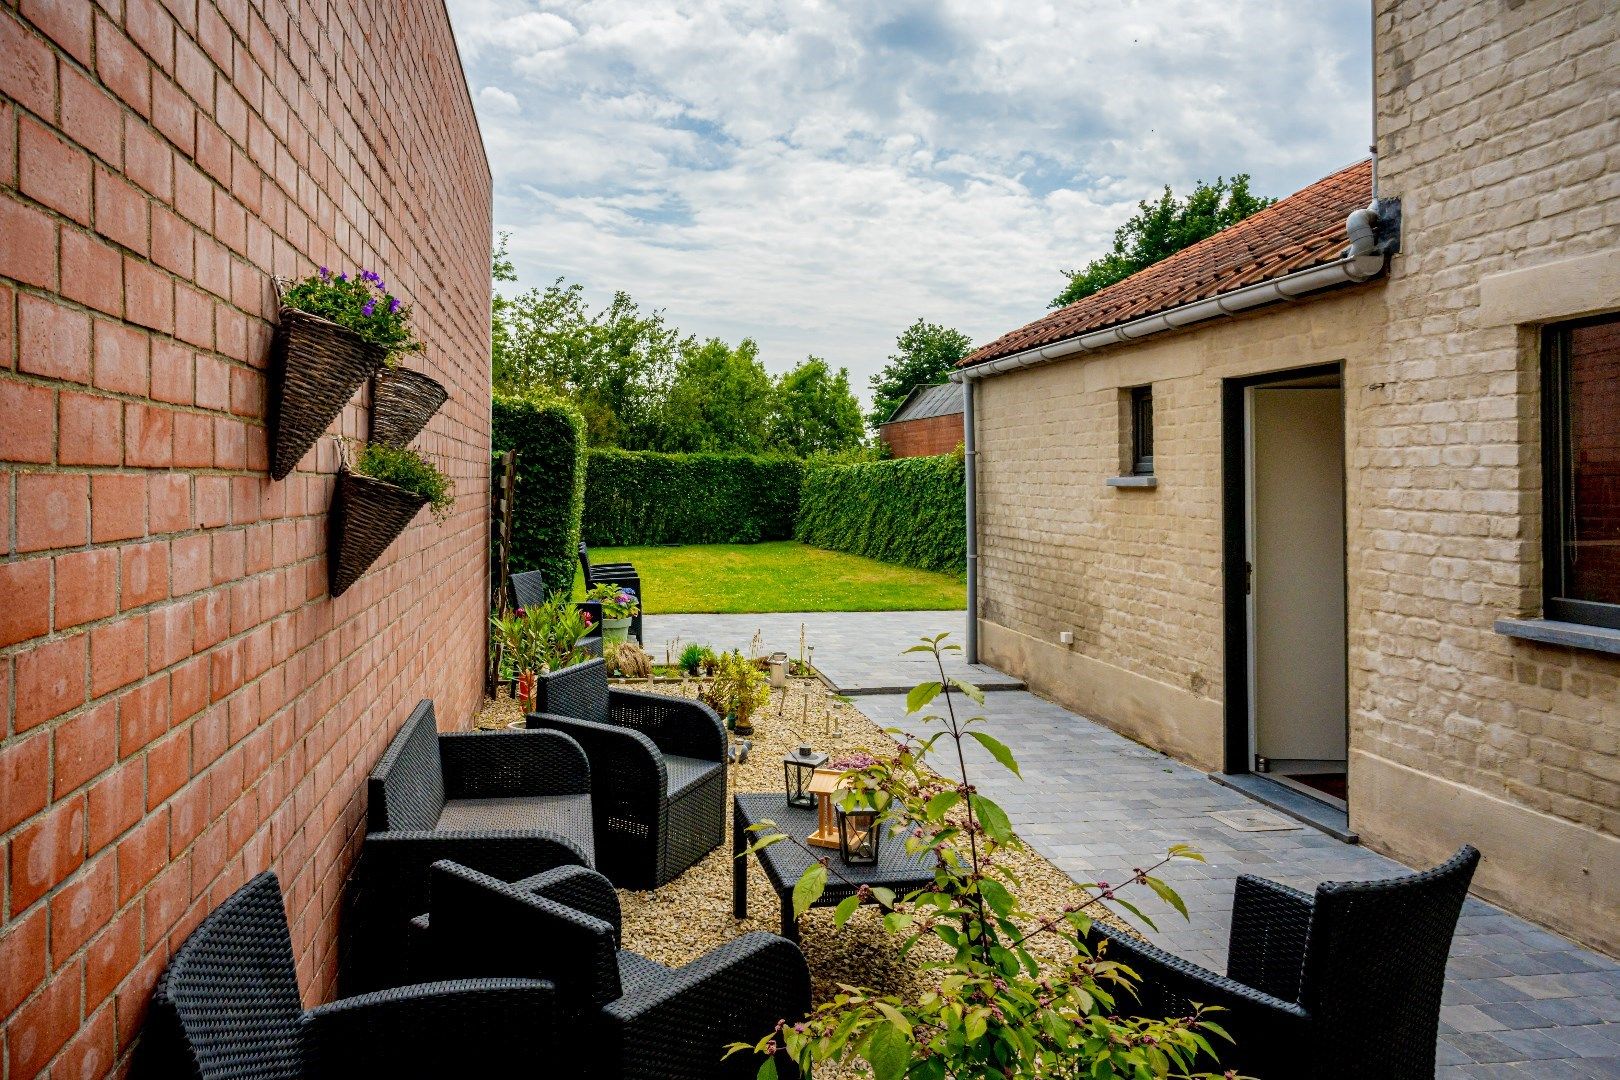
(816, 174)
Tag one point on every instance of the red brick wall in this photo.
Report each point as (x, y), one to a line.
(923, 438)
(181, 703)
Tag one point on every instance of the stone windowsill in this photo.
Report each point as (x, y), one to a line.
(1133, 481)
(1553, 632)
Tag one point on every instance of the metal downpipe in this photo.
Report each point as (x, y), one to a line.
(970, 471)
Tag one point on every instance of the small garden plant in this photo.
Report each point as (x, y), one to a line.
(739, 691)
(407, 469)
(539, 639)
(361, 303)
(617, 601)
(996, 1012)
(692, 659)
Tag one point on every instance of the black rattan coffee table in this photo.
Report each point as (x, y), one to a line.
(785, 862)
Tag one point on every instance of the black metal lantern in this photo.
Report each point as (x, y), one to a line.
(858, 835)
(797, 769)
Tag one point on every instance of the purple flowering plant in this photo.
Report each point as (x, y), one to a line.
(361, 303)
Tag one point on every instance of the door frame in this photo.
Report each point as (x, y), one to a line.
(1235, 568)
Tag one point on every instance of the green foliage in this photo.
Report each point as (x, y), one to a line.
(362, 303)
(719, 400)
(924, 354)
(640, 497)
(1160, 229)
(542, 638)
(739, 690)
(613, 364)
(549, 437)
(909, 511)
(409, 470)
(816, 412)
(995, 1011)
(693, 658)
(617, 601)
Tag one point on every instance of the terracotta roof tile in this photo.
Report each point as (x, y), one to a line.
(1304, 230)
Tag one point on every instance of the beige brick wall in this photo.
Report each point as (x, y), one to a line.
(1136, 574)
(1499, 127)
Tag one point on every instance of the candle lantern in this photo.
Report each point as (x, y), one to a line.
(858, 835)
(797, 770)
(778, 665)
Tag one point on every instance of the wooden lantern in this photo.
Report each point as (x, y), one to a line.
(824, 786)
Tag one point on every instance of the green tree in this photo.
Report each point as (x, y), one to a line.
(720, 398)
(923, 355)
(1160, 229)
(816, 412)
(613, 364)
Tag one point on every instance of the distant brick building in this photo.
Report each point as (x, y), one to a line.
(927, 422)
(1367, 541)
(182, 705)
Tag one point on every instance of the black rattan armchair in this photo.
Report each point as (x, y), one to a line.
(1343, 985)
(658, 772)
(619, 573)
(640, 1019)
(503, 802)
(528, 589)
(228, 1006)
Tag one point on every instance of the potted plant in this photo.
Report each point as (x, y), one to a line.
(619, 606)
(374, 500)
(334, 332)
(738, 693)
(541, 641)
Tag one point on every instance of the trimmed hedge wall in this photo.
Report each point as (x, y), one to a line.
(908, 511)
(641, 497)
(549, 437)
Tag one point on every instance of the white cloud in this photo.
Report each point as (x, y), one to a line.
(817, 173)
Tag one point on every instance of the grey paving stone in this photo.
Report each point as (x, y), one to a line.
(1519, 1001)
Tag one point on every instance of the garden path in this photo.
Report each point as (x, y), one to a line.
(1520, 1002)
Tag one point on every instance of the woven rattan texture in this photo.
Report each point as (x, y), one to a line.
(1355, 946)
(565, 815)
(422, 767)
(317, 367)
(581, 889)
(402, 402)
(367, 516)
(651, 822)
(228, 1005)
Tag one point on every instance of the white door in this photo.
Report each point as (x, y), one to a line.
(1296, 538)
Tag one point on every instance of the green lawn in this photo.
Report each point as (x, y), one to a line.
(779, 576)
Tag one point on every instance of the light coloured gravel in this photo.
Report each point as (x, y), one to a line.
(689, 916)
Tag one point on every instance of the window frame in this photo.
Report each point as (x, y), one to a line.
(1142, 430)
(1557, 489)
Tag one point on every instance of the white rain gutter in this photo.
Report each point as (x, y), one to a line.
(1349, 268)
(1361, 261)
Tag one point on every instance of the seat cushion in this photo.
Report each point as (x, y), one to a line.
(566, 815)
(636, 972)
(686, 772)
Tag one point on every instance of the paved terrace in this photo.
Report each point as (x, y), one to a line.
(1520, 1002)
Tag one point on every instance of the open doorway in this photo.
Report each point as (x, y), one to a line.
(1285, 553)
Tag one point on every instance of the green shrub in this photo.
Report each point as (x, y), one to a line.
(640, 497)
(410, 471)
(549, 437)
(909, 511)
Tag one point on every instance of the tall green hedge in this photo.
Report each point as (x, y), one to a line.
(909, 511)
(641, 497)
(549, 437)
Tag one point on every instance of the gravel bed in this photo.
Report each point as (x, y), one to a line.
(689, 916)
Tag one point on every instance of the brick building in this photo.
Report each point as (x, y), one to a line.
(1364, 540)
(927, 422)
(181, 702)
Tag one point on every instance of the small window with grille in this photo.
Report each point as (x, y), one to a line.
(1142, 431)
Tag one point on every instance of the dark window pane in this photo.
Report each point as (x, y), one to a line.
(1592, 542)
(1142, 430)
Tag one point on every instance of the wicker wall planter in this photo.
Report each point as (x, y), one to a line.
(367, 515)
(317, 366)
(402, 402)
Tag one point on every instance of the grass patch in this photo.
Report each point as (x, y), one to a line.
(779, 576)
